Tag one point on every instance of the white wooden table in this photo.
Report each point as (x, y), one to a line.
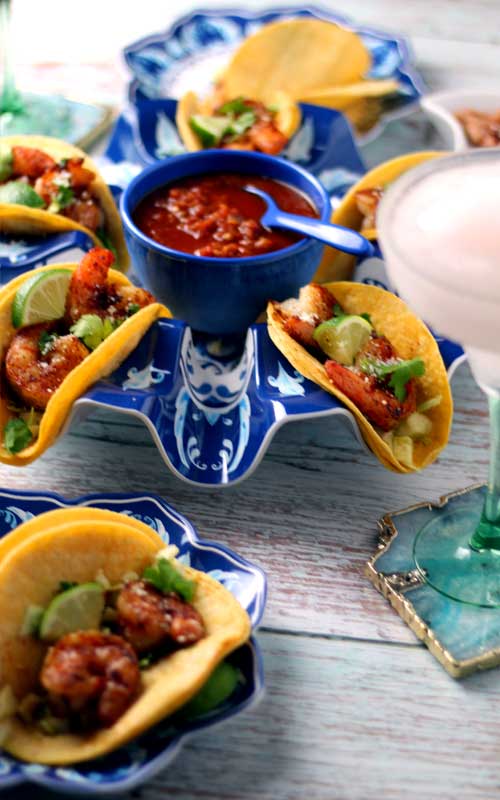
(356, 708)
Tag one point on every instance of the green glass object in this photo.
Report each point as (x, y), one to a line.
(458, 553)
(487, 533)
(10, 99)
(43, 115)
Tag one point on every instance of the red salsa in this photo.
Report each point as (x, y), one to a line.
(213, 215)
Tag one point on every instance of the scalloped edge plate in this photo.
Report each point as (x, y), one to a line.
(152, 57)
(143, 757)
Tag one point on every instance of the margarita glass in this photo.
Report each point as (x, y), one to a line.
(439, 232)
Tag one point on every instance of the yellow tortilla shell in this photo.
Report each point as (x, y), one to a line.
(287, 118)
(360, 102)
(411, 338)
(295, 56)
(101, 362)
(76, 552)
(336, 265)
(341, 96)
(59, 516)
(21, 220)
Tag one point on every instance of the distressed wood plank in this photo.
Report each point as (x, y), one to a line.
(307, 515)
(345, 721)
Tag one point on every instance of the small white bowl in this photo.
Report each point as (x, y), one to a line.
(440, 107)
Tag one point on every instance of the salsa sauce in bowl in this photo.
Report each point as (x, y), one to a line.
(213, 216)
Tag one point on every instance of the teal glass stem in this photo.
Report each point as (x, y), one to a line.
(10, 98)
(487, 533)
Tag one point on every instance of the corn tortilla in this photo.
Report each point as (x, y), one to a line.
(99, 363)
(287, 119)
(20, 220)
(294, 56)
(76, 551)
(336, 265)
(392, 318)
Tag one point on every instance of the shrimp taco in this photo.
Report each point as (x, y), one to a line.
(103, 633)
(49, 186)
(358, 208)
(238, 124)
(363, 345)
(62, 329)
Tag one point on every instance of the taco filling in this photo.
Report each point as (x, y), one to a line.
(30, 177)
(367, 202)
(363, 366)
(100, 638)
(240, 124)
(56, 327)
(104, 633)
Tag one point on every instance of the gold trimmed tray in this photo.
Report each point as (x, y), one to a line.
(462, 637)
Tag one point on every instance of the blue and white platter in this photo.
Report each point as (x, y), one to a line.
(197, 46)
(324, 143)
(212, 406)
(139, 761)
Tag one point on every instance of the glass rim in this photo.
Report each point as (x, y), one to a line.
(408, 180)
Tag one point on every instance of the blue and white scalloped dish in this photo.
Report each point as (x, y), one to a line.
(324, 144)
(137, 762)
(213, 405)
(197, 46)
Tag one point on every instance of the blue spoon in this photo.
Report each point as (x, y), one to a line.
(335, 235)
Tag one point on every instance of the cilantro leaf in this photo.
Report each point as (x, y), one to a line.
(46, 342)
(242, 123)
(64, 197)
(146, 660)
(167, 578)
(236, 106)
(65, 585)
(106, 242)
(400, 371)
(93, 330)
(132, 309)
(16, 435)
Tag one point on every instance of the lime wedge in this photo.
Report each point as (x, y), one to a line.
(219, 686)
(77, 609)
(209, 129)
(343, 338)
(20, 194)
(41, 298)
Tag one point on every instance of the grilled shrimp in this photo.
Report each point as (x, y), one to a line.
(263, 136)
(92, 671)
(148, 618)
(369, 394)
(314, 305)
(266, 137)
(86, 211)
(35, 377)
(367, 201)
(30, 162)
(90, 293)
(71, 176)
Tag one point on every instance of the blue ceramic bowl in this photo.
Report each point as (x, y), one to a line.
(221, 295)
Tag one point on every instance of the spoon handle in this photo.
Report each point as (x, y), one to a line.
(334, 235)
